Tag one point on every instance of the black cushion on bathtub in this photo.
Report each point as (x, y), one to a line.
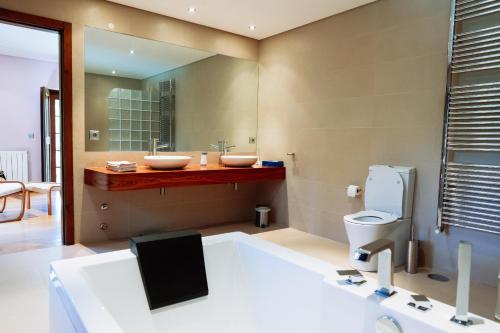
(172, 266)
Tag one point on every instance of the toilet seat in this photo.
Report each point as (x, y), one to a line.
(371, 217)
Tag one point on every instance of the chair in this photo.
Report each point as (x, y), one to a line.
(10, 188)
(43, 188)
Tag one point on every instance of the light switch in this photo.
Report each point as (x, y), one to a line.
(94, 135)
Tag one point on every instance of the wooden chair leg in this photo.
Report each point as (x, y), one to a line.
(49, 202)
(28, 199)
(3, 205)
(21, 213)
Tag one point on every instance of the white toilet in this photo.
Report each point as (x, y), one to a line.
(388, 209)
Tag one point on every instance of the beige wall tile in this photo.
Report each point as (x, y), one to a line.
(359, 88)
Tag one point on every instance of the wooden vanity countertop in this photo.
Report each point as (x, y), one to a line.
(191, 175)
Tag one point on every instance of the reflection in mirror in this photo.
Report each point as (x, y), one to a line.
(137, 90)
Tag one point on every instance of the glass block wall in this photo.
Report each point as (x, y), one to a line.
(134, 119)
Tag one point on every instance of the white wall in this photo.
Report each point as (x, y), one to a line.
(20, 82)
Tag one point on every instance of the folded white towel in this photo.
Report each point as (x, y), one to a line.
(121, 166)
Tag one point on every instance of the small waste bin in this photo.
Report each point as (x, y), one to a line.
(262, 216)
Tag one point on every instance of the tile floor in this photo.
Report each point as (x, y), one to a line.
(36, 230)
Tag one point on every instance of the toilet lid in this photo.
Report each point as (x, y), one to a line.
(370, 217)
(384, 190)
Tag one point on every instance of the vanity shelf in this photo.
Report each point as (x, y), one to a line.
(192, 175)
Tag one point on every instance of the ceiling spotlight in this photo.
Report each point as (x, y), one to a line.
(113, 72)
(132, 51)
(192, 9)
(252, 27)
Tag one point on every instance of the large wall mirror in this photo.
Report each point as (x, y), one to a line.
(138, 89)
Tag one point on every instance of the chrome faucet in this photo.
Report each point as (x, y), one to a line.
(154, 146)
(385, 272)
(463, 284)
(222, 146)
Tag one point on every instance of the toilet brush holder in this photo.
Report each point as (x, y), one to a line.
(412, 257)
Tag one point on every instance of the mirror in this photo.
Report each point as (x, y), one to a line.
(138, 89)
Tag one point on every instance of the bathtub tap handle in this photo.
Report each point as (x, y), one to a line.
(353, 276)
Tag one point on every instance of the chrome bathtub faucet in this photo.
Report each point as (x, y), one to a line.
(463, 284)
(385, 271)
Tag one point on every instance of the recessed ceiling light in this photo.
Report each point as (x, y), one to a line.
(132, 51)
(192, 9)
(113, 72)
(252, 27)
(111, 25)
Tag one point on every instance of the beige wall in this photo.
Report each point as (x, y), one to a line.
(97, 89)
(215, 98)
(360, 88)
(125, 216)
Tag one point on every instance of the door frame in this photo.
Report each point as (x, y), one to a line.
(66, 94)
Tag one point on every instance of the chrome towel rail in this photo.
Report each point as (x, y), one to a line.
(471, 197)
(469, 194)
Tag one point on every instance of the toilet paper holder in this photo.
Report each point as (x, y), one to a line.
(353, 191)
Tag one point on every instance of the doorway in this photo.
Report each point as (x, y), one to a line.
(54, 172)
(50, 120)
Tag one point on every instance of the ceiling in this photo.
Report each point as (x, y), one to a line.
(107, 51)
(18, 41)
(270, 17)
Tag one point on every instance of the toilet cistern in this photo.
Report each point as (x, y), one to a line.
(385, 272)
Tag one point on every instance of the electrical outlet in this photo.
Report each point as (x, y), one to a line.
(251, 140)
(94, 135)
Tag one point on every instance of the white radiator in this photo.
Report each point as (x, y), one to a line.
(15, 165)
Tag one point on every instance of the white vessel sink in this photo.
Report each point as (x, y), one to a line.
(165, 162)
(238, 160)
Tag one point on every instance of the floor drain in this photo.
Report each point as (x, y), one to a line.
(438, 277)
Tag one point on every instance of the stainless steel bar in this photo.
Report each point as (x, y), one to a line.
(458, 213)
(477, 14)
(482, 106)
(456, 139)
(457, 71)
(458, 185)
(473, 214)
(475, 49)
(467, 33)
(469, 204)
(478, 34)
(455, 216)
(473, 3)
(461, 117)
(474, 128)
(462, 2)
(453, 195)
(459, 91)
(468, 200)
(473, 181)
(474, 53)
(492, 122)
(475, 85)
(473, 112)
(486, 166)
(466, 190)
(477, 7)
(472, 228)
(491, 93)
(460, 61)
(474, 149)
(465, 174)
(491, 37)
(477, 63)
(472, 133)
(467, 170)
(478, 101)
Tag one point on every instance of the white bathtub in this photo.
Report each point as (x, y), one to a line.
(254, 287)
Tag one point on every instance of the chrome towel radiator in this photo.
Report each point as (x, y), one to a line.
(469, 195)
